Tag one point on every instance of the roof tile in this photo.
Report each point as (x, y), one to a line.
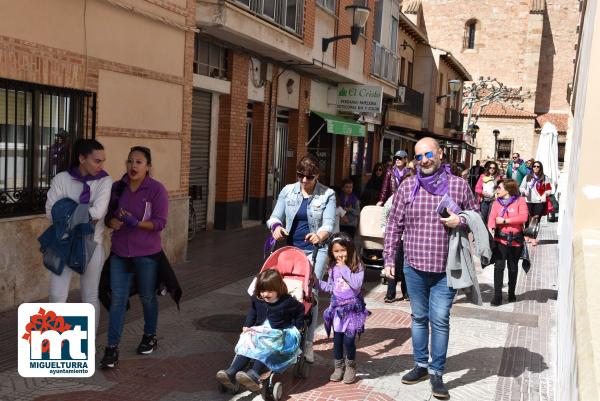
(560, 120)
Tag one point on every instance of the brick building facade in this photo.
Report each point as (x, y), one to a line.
(529, 44)
(136, 73)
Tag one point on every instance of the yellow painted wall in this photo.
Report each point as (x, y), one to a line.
(166, 158)
(132, 102)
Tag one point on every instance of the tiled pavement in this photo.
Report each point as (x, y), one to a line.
(503, 353)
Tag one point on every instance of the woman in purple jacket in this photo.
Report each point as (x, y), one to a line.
(137, 213)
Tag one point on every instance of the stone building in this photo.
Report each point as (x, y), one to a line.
(119, 70)
(521, 43)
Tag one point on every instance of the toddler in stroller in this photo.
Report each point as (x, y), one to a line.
(274, 328)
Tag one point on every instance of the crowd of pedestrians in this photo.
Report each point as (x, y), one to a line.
(427, 207)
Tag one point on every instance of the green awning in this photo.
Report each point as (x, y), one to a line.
(341, 125)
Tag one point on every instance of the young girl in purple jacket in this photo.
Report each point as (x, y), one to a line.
(347, 310)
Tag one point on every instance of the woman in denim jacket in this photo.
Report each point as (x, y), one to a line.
(304, 215)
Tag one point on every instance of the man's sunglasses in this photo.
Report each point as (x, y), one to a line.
(428, 155)
(301, 176)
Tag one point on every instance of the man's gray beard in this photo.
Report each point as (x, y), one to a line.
(434, 169)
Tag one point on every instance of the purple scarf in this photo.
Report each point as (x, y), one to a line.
(86, 193)
(506, 203)
(348, 201)
(435, 184)
(535, 180)
(398, 174)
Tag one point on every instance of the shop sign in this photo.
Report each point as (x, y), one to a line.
(359, 98)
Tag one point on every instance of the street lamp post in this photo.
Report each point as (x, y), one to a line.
(359, 19)
(496, 132)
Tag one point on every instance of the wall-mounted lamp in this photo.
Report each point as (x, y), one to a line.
(472, 130)
(359, 19)
(454, 85)
(496, 132)
(290, 86)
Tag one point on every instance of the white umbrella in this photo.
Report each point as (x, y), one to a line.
(547, 152)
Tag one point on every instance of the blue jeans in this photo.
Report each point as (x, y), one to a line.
(319, 267)
(342, 341)
(240, 362)
(430, 301)
(122, 270)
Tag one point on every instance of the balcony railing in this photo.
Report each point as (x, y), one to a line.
(384, 63)
(453, 119)
(287, 14)
(409, 101)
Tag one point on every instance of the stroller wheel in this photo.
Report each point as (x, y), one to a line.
(266, 392)
(383, 280)
(222, 388)
(277, 391)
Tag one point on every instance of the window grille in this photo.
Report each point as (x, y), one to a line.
(470, 30)
(504, 149)
(328, 4)
(210, 59)
(287, 14)
(38, 125)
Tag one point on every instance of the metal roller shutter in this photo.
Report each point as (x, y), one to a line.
(199, 157)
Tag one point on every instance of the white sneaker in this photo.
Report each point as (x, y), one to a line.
(309, 354)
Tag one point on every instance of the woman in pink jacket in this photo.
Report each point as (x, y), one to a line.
(509, 213)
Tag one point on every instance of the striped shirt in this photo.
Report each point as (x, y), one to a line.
(425, 237)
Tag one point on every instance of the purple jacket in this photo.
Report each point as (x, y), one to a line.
(149, 203)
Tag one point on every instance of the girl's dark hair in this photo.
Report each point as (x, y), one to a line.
(84, 147)
(270, 280)
(308, 165)
(487, 168)
(376, 167)
(347, 181)
(345, 240)
(511, 186)
(142, 149)
(541, 172)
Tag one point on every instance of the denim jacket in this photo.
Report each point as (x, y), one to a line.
(321, 208)
(69, 241)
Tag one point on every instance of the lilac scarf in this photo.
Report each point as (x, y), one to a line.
(435, 184)
(506, 203)
(534, 180)
(86, 193)
(398, 174)
(348, 201)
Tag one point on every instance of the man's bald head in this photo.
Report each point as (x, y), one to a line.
(429, 143)
(431, 154)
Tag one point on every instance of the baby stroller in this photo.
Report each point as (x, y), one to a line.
(296, 270)
(371, 238)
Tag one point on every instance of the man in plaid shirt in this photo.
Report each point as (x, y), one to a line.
(415, 217)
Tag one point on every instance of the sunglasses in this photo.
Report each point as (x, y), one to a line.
(379, 169)
(537, 166)
(428, 155)
(308, 177)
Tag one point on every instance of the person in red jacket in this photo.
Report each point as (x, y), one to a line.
(509, 213)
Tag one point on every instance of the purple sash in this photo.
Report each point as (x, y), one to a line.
(435, 184)
(86, 193)
(506, 203)
(349, 201)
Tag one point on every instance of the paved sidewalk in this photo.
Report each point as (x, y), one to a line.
(504, 353)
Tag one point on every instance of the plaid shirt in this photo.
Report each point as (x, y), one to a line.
(425, 237)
